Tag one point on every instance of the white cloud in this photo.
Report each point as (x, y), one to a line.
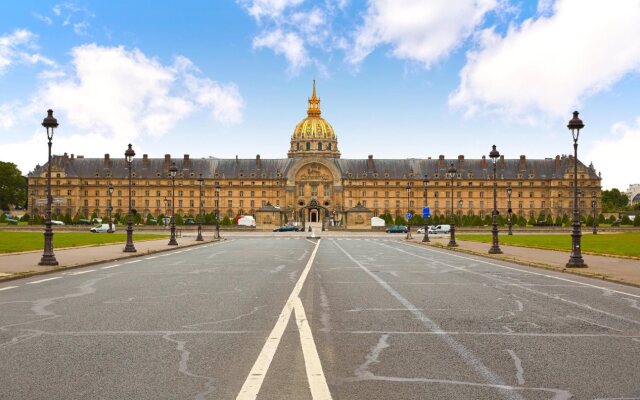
(71, 15)
(417, 30)
(623, 142)
(109, 96)
(551, 63)
(268, 8)
(287, 43)
(43, 18)
(17, 47)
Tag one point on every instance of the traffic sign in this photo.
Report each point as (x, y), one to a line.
(409, 215)
(426, 212)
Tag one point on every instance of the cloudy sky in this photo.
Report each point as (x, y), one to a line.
(397, 78)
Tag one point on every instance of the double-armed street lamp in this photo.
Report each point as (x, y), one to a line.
(217, 188)
(129, 247)
(199, 237)
(575, 260)
(173, 170)
(110, 207)
(451, 172)
(425, 182)
(408, 188)
(48, 258)
(509, 210)
(593, 206)
(495, 245)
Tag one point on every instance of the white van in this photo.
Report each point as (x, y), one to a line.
(247, 220)
(440, 229)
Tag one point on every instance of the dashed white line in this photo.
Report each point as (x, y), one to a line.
(7, 288)
(134, 261)
(151, 258)
(519, 369)
(82, 272)
(111, 266)
(44, 280)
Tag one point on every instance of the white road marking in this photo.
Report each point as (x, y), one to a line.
(519, 369)
(82, 272)
(111, 266)
(134, 261)
(44, 280)
(315, 376)
(593, 323)
(467, 356)
(529, 272)
(7, 288)
(253, 383)
(151, 258)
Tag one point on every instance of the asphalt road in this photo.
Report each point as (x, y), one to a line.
(344, 318)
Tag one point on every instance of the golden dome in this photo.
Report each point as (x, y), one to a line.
(314, 126)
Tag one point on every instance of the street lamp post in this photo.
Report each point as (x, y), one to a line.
(452, 238)
(575, 260)
(408, 188)
(509, 210)
(593, 206)
(425, 182)
(495, 245)
(173, 170)
(48, 258)
(199, 237)
(129, 247)
(110, 207)
(217, 187)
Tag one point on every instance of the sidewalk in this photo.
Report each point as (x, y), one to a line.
(613, 269)
(26, 264)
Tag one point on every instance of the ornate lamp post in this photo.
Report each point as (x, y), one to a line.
(495, 246)
(425, 182)
(408, 188)
(593, 206)
(48, 258)
(173, 170)
(110, 208)
(129, 248)
(575, 260)
(217, 187)
(509, 210)
(452, 238)
(199, 238)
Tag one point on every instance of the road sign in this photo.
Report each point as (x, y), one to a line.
(426, 212)
(409, 215)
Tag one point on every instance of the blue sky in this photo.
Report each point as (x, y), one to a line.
(397, 78)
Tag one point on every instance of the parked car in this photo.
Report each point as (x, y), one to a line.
(440, 229)
(152, 221)
(247, 220)
(103, 228)
(189, 221)
(396, 229)
(12, 221)
(56, 222)
(287, 228)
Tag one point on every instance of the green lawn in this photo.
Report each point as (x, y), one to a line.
(623, 244)
(24, 241)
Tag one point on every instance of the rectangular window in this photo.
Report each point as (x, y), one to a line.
(264, 203)
(470, 195)
(253, 204)
(241, 193)
(375, 194)
(146, 203)
(191, 193)
(157, 203)
(180, 203)
(241, 203)
(301, 189)
(230, 193)
(364, 203)
(191, 203)
(520, 204)
(119, 203)
(97, 203)
(264, 193)
(470, 204)
(179, 193)
(230, 203)
(531, 204)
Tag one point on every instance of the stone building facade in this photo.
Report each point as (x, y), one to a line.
(314, 183)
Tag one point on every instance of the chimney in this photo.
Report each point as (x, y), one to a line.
(167, 162)
(370, 162)
(258, 161)
(484, 162)
(72, 156)
(522, 165)
(236, 158)
(461, 161)
(107, 161)
(441, 163)
(145, 161)
(79, 156)
(186, 164)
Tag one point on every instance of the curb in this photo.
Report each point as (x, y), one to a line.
(21, 275)
(547, 267)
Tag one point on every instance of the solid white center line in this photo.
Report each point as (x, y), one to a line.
(7, 288)
(44, 280)
(111, 266)
(82, 272)
(253, 383)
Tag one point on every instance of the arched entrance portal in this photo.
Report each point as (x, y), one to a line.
(314, 212)
(314, 215)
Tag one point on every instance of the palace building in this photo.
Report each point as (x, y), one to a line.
(314, 184)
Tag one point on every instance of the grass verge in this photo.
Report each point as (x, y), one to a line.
(12, 242)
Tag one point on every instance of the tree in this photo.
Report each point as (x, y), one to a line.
(636, 220)
(226, 220)
(400, 220)
(13, 186)
(625, 220)
(614, 200)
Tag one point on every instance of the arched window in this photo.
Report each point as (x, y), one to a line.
(308, 146)
(319, 146)
(297, 146)
(329, 146)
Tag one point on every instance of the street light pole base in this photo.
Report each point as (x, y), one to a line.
(48, 259)
(495, 250)
(426, 239)
(173, 242)
(576, 262)
(129, 248)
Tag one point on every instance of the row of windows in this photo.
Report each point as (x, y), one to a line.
(320, 146)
